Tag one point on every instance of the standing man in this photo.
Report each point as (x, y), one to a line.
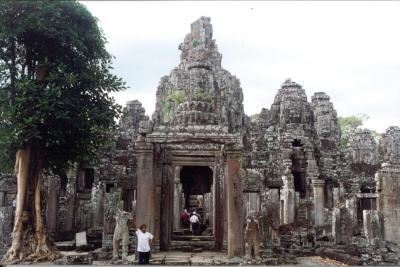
(195, 223)
(145, 241)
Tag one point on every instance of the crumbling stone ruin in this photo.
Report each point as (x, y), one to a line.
(200, 151)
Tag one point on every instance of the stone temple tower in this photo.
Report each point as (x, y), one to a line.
(188, 155)
(199, 91)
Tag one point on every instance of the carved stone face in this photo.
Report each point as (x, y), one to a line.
(145, 127)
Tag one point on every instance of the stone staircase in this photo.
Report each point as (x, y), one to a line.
(192, 243)
(285, 240)
(302, 213)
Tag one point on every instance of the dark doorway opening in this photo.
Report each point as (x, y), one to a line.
(196, 197)
(196, 180)
(299, 168)
(89, 178)
(365, 203)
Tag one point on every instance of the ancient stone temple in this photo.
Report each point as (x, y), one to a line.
(192, 150)
(284, 167)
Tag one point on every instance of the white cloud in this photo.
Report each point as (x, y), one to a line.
(348, 49)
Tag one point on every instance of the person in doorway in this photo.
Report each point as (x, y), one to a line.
(185, 218)
(144, 241)
(194, 221)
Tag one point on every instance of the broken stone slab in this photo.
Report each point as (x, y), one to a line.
(391, 257)
(271, 261)
(72, 257)
(360, 242)
(80, 239)
(102, 254)
(392, 247)
(65, 245)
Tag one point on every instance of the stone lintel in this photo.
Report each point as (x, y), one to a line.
(318, 183)
(143, 148)
(214, 138)
(367, 195)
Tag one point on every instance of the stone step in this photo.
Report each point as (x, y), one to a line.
(65, 245)
(192, 246)
(193, 238)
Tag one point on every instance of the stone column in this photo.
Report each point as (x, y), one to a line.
(218, 213)
(388, 184)
(2, 194)
(335, 195)
(234, 206)
(145, 203)
(319, 202)
(341, 226)
(351, 205)
(52, 205)
(372, 226)
(287, 197)
(177, 198)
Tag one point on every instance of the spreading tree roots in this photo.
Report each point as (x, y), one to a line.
(29, 236)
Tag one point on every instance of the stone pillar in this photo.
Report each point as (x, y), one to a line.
(177, 198)
(342, 230)
(319, 202)
(69, 204)
(2, 194)
(234, 206)
(218, 214)
(145, 203)
(335, 195)
(351, 205)
(271, 214)
(372, 226)
(388, 184)
(288, 198)
(52, 205)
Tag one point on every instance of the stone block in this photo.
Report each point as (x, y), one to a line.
(80, 239)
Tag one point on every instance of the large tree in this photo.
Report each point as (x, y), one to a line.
(348, 126)
(55, 107)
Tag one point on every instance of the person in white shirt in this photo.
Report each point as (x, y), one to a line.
(195, 223)
(145, 240)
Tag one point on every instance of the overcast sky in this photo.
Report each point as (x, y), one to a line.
(350, 50)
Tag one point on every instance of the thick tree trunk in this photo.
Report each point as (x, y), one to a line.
(29, 235)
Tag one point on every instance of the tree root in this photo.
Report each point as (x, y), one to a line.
(31, 251)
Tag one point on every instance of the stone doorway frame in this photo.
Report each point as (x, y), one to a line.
(177, 164)
(158, 153)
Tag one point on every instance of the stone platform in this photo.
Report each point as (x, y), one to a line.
(202, 259)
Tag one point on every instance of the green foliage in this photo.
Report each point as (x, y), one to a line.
(55, 80)
(176, 96)
(255, 117)
(202, 96)
(7, 151)
(349, 124)
(173, 99)
(243, 162)
(195, 43)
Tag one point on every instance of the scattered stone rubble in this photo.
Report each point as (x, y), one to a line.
(286, 165)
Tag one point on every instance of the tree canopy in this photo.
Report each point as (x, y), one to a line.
(350, 124)
(55, 80)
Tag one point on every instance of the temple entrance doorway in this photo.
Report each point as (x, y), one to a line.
(299, 168)
(193, 193)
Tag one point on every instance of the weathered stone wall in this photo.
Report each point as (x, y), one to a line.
(388, 184)
(8, 191)
(361, 162)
